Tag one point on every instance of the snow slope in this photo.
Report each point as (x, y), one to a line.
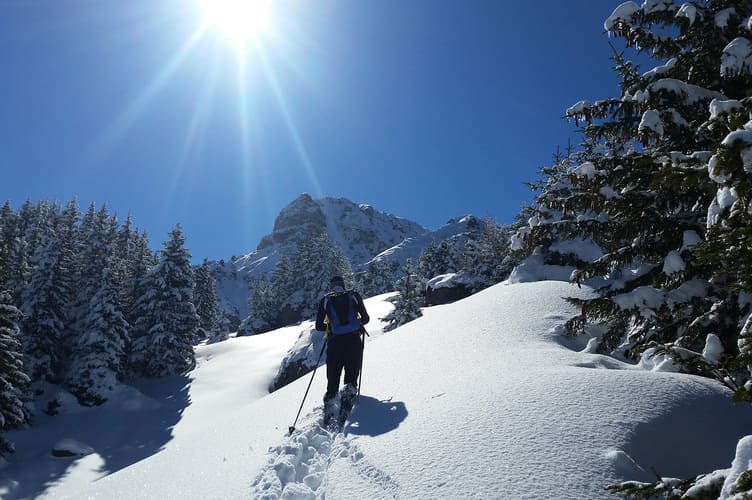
(477, 399)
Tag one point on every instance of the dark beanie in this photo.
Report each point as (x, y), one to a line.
(337, 280)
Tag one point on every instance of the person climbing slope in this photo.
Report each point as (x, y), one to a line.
(345, 314)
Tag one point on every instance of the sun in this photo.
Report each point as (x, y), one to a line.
(238, 20)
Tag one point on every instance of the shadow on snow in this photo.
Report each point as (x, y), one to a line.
(372, 417)
(121, 432)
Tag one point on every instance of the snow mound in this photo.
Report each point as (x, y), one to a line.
(533, 269)
(71, 448)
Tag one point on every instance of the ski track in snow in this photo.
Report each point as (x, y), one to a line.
(298, 468)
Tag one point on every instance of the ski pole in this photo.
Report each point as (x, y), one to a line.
(326, 340)
(363, 335)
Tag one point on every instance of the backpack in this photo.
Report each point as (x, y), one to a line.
(340, 307)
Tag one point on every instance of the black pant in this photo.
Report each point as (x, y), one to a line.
(343, 351)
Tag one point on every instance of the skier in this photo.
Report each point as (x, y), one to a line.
(344, 312)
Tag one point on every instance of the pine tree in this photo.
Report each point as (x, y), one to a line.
(638, 188)
(124, 263)
(98, 354)
(315, 262)
(661, 186)
(377, 278)
(7, 235)
(45, 309)
(13, 380)
(263, 308)
(487, 256)
(167, 321)
(427, 262)
(281, 282)
(411, 291)
(205, 300)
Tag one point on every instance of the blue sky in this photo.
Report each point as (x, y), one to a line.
(427, 109)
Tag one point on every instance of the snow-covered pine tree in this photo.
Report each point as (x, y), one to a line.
(638, 187)
(487, 256)
(727, 247)
(32, 219)
(315, 262)
(143, 260)
(65, 225)
(411, 288)
(205, 300)
(377, 278)
(166, 323)
(263, 307)
(98, 352)
(676, 241)
(427, 264)
(13, 380)
(281, 281)
(124, 263)
(45, 306)
(7, 235)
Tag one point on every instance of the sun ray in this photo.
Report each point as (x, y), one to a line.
(238, 20)
(197, 126)
(290, 123)
(115, 132)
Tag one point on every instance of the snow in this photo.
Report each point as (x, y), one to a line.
(725, 198)
(662, 69)
(736, 58)
(584, 249)
(608, 192)
(714, 171)
(689, 93)
(744, 136)
(624, 12)
(689, 11)
(578, 108)
(72, 447)
(690, 239)
(533, 269)
(720, 107)
(746, 156)
(713, 349)
(651, 120)
(481, 398)
(722, 17)
(741, 464)
(652, 6)
(673, 263)
(641, 297)
(450, 280)
(586, 170)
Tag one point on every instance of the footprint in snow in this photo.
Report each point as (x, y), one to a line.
(297, 469)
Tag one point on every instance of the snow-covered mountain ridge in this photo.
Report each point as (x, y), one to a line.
(361, 231)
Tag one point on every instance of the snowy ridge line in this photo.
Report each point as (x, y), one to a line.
(299, 467)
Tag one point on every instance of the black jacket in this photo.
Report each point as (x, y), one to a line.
(342, 300)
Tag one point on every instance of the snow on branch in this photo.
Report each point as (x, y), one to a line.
(623, 14)
(736, 58)
(688, 11)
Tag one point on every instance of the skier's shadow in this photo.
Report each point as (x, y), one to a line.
(372, 417)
